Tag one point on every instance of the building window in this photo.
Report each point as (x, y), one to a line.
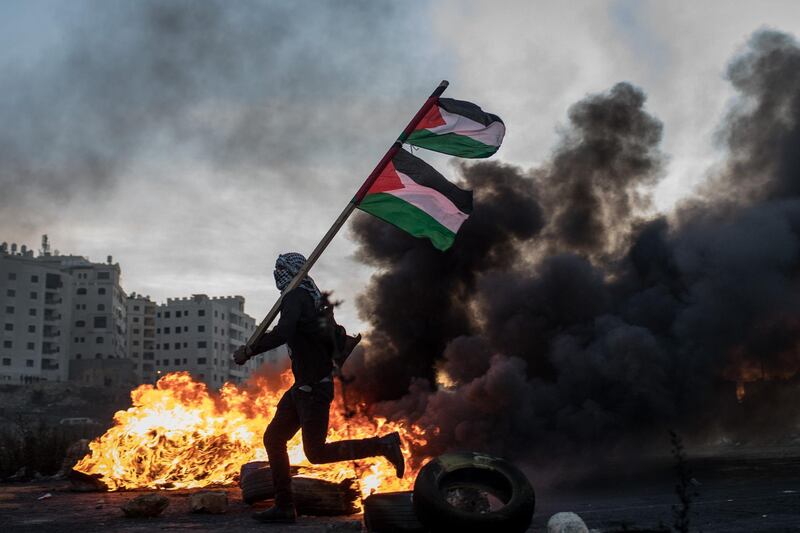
(158, 330)
(32, 312)
(78, 355)
(12, 275)
(166, 330)
(100, 322)
(7, 344)
(135, 307)
(31, 346)
(34, 279)
(34, 295)
(136, 331)
(80, 324)
(10, 309)
(6, 361)
(104, 275)
(184, 361)
(29, 363)
(31, 329)
(201, 360)
(177, 314)
(99, 340)
(136, 343)
(185, 345)
(158, 346)
(201, 329)
(9, 327)
(11, 292)
(201, 312)
(81, 291)
(166, 314)
(177, 362)
(158, 315)
(101, 290)
(201, 344)
(215, 312)
(101, 307)
(136, 319)
(177, 346)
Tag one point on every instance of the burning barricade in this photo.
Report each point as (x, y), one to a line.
(177, 435)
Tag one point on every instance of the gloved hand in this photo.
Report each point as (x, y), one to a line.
(242, 354)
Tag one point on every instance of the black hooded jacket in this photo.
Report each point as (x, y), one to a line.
(299, 328)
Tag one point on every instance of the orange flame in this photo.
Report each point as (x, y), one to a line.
(178, 435)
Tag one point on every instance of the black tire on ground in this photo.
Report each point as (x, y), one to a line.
(473, 470)
(257, 485)
(391, 512)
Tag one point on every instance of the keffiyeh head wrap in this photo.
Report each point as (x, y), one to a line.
(286, 268)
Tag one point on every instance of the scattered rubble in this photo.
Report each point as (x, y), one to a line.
(76, 451)
(212, 501)
(566, 523)
(146, 505)
(80, 482)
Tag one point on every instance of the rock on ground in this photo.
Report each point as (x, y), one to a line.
(566, 523)
(212, 501)
(145, 506)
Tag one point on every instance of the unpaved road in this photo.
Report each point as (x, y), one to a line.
(735, 494)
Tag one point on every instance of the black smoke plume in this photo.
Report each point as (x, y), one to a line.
(566, 322)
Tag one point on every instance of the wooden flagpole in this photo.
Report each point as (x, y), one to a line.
(343, 216)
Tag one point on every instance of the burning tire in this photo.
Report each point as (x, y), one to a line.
(498, 495)
(257, 485)
(391, 512)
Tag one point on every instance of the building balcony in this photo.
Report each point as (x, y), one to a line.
(49, 348)
(50, 316)
(52, 299)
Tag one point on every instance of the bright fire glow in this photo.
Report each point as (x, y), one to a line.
(178, 435)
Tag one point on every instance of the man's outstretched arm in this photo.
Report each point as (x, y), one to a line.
(291, 309)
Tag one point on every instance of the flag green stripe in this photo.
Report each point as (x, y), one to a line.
(408, 218)
(451, 144)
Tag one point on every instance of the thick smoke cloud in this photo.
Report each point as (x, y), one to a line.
(566, 323)
(224, 84)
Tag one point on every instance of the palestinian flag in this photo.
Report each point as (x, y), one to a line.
(411, 195)
(459, 128)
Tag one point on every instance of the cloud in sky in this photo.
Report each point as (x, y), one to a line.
(195, 141)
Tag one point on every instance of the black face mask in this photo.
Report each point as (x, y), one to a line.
(282, 278)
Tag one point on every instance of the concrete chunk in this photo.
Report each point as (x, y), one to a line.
(566, 523)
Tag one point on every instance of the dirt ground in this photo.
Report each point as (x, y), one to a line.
(742, 493)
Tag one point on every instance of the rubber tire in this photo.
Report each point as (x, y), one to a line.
(391, 512)
(257, 485)
(476, 470)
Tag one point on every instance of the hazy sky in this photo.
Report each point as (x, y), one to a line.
(194, 141)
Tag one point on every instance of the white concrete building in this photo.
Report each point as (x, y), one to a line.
(141, 318)
(198, 334)
(35, 306)
(63, 317)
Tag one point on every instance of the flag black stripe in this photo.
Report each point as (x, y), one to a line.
(469, 110)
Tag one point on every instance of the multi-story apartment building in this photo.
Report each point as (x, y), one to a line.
(99, 325)
(198, 334)
(141, 317)
(35, 306)
(64, 317)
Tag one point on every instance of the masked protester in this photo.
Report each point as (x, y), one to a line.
(305, 406)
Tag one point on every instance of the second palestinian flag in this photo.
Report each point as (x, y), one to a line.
(459, 128)
(411, 195)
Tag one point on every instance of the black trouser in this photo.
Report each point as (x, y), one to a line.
(308, 411)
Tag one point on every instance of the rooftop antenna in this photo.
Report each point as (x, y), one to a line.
(45, 251)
